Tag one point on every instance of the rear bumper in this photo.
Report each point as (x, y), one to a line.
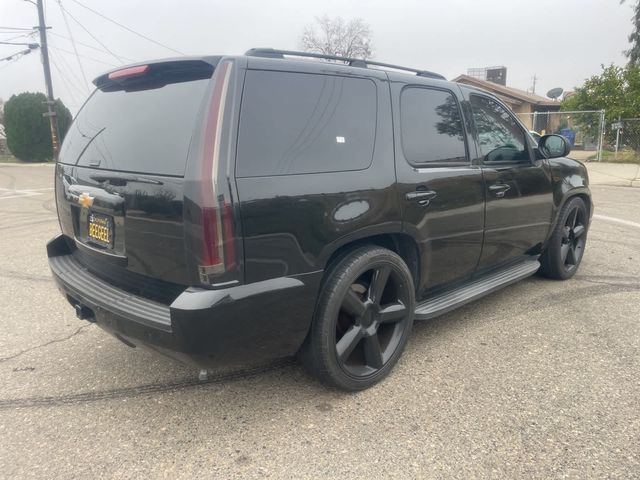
(252, 322)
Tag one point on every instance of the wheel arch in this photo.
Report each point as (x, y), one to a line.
(400, 243)
(582, 192)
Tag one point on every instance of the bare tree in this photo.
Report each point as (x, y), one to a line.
(335, 36)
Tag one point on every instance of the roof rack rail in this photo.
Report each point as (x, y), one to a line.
(352, 62)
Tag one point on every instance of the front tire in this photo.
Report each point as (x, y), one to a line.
(362, 320)
(566, 246)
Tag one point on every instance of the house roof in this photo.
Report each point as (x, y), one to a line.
(508, 94)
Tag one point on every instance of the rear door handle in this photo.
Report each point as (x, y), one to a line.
(499, 189)
(422, 196)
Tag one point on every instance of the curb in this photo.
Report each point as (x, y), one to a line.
(16, 164)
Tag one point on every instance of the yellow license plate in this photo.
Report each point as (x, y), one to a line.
(101, 229)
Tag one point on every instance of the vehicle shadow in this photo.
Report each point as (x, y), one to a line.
(283, 378)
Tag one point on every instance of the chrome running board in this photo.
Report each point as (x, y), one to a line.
(477, 288)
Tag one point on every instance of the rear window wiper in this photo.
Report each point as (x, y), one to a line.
(121, 180)
(91, 139)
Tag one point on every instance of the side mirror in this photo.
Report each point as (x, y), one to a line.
(536, 136)
(554, 146)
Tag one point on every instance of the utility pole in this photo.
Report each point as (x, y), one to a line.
(533, 88)
(51, 113)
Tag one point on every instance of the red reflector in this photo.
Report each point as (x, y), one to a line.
(129, 72)
(227, 225)
(211, 256)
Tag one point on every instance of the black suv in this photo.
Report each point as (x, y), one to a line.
(227, 209)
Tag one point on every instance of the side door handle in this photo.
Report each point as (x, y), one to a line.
(422, 196)
(499, 189)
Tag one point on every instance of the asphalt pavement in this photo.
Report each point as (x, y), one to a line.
(539, 380)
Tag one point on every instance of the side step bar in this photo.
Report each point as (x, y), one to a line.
(447, 301)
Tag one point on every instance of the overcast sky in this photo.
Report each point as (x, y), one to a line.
(562, 42)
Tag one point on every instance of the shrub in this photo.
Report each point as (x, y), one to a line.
(27, 130)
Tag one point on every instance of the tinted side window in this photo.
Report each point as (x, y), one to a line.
(500, 137)
(431, 126)
(303, 123)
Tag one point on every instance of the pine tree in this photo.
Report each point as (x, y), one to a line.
(634, 37)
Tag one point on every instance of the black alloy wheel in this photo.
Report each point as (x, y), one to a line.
(573, 237)
(371, 321)
(567, 243)
(363, 319)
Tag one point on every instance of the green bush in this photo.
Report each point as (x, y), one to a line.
(27, 130)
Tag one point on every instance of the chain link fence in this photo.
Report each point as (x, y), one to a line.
(622, 141)
(583, 129)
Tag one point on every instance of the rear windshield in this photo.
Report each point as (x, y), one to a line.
(144, 131)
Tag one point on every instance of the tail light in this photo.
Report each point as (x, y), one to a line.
(217, 255)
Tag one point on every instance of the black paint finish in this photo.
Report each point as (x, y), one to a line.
(448, 220)
(148, 219)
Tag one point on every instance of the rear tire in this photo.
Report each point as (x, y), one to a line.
(362, 320)
(566, 246)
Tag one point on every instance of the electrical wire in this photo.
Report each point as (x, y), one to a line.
(127, 28)
(64, 10)
(87, 45)
(73, 43)
(23, 35)
(85, 57)
(14, 43)
(15, 28)
(16, 55)
(67, 83)
(67, 68)
(9, 63)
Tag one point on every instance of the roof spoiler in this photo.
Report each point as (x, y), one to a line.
(156, 73)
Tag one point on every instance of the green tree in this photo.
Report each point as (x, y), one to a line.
(616, 90)
(634, 37)
(27, 130)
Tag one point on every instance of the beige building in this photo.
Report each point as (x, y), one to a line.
(518, 100)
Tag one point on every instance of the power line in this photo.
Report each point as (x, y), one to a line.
(22, 35)
(73, 43)
(19, 44)
(15, 28)
(17, 55)
(9, 63)
(67, 68)
(64, 10)
(65, 80)
(84, 56)
(87, 45)
(127, 28)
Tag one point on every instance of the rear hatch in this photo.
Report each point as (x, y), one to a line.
(124, 186)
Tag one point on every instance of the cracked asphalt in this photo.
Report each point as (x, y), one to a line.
(539, 380)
